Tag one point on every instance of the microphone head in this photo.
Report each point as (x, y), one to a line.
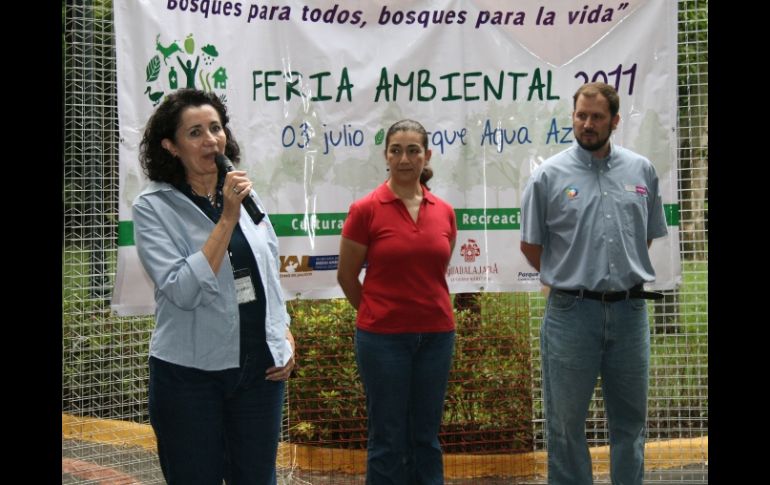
(223, 163)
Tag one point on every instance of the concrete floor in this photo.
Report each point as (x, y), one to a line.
(97, 463)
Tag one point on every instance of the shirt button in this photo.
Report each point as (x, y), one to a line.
(608, 216)
(605, 194)
(611, 240)
(612, 265)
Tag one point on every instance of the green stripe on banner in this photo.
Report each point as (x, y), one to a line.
(330, 223)
(126, 233)
(323, 224)
(510, 218)
(672, 214)
(489, 219)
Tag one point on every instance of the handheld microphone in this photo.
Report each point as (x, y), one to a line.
(224, 164)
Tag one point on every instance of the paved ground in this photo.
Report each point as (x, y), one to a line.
(100, 464)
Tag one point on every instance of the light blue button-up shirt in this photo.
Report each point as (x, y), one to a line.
(196, 316)
(593, 218)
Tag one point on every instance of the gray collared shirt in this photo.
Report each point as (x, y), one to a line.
(593, 219)
(196, 314)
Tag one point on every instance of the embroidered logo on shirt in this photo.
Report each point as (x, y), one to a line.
(572, 192)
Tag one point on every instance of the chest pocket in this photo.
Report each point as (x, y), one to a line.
(634, 213)
(564, 211)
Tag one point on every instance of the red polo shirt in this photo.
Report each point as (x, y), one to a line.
(405, 289)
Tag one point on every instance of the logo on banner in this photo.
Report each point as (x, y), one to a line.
(528, 276)
(470, 250)
(182, 64)
(293, 265)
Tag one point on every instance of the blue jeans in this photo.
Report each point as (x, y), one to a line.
(579, 340)
(215, 425)
(405, 378)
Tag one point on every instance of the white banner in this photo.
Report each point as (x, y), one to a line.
(311, 87)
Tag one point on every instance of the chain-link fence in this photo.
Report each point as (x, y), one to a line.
(493, 424)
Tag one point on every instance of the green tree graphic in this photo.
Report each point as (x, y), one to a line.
(157, 73)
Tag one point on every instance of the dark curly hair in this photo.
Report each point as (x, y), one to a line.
(158, 164)
(411, 125)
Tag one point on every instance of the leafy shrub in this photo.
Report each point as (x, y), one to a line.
(488, 403)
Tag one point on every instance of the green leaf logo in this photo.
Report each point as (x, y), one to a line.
(153, 69)
(379, 137)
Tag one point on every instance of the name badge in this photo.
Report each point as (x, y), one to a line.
(244, 288)
(638, 189)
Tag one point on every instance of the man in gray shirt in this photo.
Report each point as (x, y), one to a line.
(589, 215)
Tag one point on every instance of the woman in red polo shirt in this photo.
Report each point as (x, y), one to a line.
(404, 327)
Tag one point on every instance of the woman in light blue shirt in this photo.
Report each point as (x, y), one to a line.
(221, 349)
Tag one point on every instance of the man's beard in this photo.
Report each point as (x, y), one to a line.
(592, 147)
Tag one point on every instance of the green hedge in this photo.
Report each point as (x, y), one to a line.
(488, 405)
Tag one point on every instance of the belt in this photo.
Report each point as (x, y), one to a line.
(613, 296)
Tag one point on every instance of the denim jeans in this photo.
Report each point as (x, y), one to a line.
(215, 425)
(581, 339)
(405, 378)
